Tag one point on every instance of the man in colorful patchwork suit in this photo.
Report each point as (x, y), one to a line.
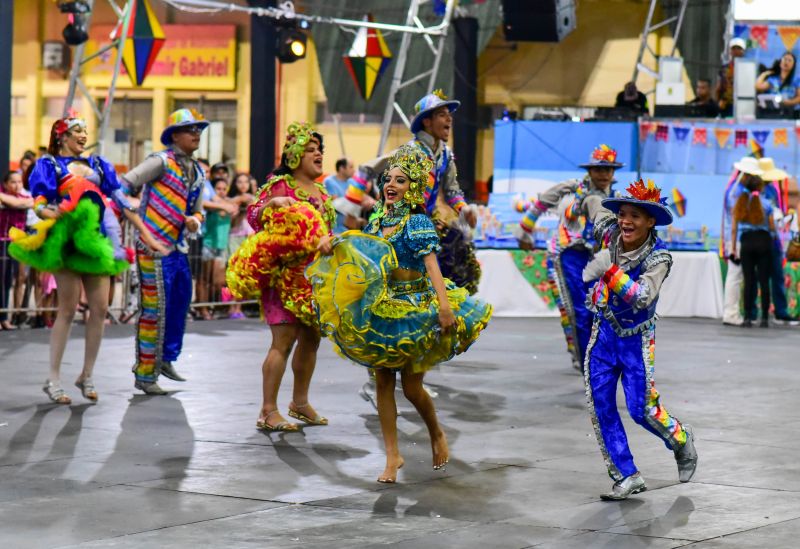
(627, 276)
(171, 182)
(572, 247)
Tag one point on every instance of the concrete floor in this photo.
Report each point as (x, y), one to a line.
(190, 469)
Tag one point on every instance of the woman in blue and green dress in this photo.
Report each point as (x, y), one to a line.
(382, 300)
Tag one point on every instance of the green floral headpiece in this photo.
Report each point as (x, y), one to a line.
(297, 137)
(417, 167)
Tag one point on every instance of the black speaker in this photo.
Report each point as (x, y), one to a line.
(538, 20)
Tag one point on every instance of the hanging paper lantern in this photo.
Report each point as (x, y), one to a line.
(368, 58)
(143, 42)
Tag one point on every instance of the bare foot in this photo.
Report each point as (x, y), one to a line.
(389, 475)
(441, 452)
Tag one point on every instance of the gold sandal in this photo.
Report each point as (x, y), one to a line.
(285, 426)
(318, 420)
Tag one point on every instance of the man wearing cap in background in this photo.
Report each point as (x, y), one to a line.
(774, 178)
(746, 167)
(171, 182)
(724, 91)
(571, 249)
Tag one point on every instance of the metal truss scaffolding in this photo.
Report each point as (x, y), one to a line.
(650, 27)
(397, 84)
(80, 59)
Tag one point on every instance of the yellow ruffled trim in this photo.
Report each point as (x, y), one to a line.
(276, 257)
(34, 240)
(340, 282)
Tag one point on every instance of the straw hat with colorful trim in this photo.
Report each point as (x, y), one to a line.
(646, 196)
(771, 173)
(428, 104)
(181, 119)
(603, 157)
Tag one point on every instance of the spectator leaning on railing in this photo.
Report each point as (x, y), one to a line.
(14, 207)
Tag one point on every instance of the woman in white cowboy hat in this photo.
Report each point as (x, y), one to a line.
(745, 169)
(751, 239)
(629, 274)
(775, 183)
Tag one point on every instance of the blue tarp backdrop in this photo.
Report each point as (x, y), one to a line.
(695, 156)
(522, 146)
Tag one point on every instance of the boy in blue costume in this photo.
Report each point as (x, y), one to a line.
(629, 273)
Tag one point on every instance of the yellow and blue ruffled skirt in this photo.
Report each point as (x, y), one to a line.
(379, 322)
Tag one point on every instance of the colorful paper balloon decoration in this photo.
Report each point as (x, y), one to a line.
(367, 60)
(678, 203)
(143, 42)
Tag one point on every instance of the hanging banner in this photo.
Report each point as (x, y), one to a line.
(780, 137)
(740, 138)
(722, 136)
(789, 36)
(644, 130)
(662, 132)
(700, 136)
(761, 136)
(759, 35)
(680, 133)
(193, 57)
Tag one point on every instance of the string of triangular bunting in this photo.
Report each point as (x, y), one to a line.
(699, 136)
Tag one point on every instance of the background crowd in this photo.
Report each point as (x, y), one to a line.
(29, 298)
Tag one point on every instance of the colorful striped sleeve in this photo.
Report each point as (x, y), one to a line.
(456, 202)
(531, 215)
(623, 285)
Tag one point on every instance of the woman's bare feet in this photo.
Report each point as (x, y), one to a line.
(441, 452)
(389, 475)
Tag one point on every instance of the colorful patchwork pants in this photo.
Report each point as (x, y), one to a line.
(609, 359)
(165, 292)
(565, 270)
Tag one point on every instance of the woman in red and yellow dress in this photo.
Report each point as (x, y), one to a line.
(293, 217)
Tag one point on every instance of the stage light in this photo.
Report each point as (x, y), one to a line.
(75, 33)
(291, 45)
(298, 48)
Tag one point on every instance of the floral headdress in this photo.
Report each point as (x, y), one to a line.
(70, 121)
(297, 137)
(417, 166)
(646, 196)
(603, 157)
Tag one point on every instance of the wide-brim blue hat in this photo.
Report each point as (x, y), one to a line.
(603, 157)
(428, 104)
(180, 119)
(647, 197)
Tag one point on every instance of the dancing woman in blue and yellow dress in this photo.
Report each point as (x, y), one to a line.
(383, 301)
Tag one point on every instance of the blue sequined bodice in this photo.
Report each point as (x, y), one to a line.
(415, 239)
